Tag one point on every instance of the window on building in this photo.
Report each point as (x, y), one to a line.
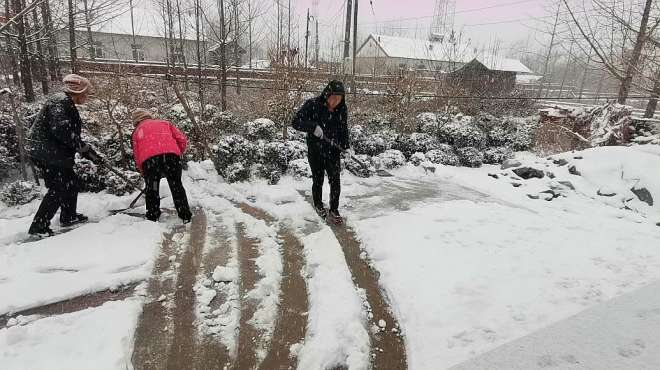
(138, 52)
(97, 50)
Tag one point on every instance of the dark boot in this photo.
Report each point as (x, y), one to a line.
(79, 218)
(335, 217)
(41, 231)
(321, 211)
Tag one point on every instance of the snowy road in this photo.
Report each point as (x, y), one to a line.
(443, 267)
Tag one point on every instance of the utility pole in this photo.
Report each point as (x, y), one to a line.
(355, 29)
(306, 38)
(347, 37)
(316, 56)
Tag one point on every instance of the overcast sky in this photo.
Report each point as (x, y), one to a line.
(481, 20)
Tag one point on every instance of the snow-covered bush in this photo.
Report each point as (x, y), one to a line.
(91, 178)
(299, 168)
(272, 174)
(444, 155)
(18, 193)
(392, 159)
(470, 156)
(417, 158)
(356, 133)
(260, 129)
(416, 142)
(463, 133)
(375, 144)
(118, 186)
(233, 150)
(6, 162)
(377, 123)
(236, 172)
(514, 132)
(427, 122)
(223, 121)
(278, 154)
(497, 154)
(610, 124)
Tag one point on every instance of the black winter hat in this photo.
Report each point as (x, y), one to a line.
(334, 87)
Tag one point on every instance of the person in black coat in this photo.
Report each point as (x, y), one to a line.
(53, 142)
(324, 119)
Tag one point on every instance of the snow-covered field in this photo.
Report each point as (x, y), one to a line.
(468, 261)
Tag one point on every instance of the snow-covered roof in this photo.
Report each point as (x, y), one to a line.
(408, 48)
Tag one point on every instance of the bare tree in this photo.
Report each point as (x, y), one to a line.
(26, 73)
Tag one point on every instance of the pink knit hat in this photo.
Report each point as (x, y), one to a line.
(75, 84)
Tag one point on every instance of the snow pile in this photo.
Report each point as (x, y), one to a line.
(19, 193)
(335, 334)
(95, 338)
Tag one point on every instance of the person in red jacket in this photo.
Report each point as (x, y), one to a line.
(157, 149)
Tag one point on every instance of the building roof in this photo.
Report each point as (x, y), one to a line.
(408, 48)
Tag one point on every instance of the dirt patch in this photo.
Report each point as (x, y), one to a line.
(388, 349)
(182, 352)
(75, 304)
(211, 354)
(291, 324)
(387, 345)
(248, 335)
(153, 336)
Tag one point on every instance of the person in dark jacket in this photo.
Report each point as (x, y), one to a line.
(157, 148)
(53, 142)
(324, 119)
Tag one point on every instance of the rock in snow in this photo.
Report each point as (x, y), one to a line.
(643, 194)
(528, 173)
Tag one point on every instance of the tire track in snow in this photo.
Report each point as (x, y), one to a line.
(388, 349)
(291, 324)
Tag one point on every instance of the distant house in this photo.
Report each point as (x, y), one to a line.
(125, 47)
(381, 54)
(488, 76)
(230, 58)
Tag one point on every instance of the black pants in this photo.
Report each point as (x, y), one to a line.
(154, 169)
(62, 184)
(321, 162)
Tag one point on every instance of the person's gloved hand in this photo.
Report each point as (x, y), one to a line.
(87, 152)
(318, 132)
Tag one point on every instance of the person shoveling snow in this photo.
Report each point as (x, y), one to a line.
(54, 140)
(157, 148)
(325, 117)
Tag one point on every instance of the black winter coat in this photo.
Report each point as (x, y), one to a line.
(55, 134)
(334, 124)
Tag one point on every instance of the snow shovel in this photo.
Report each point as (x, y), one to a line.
(379, 172)
(130, 206)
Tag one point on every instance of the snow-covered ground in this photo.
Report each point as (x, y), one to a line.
(468, 261)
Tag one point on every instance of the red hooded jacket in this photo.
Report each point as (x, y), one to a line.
(154, 137)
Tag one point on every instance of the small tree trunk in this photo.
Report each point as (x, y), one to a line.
(223, 56)
(181, 45)
(10, 51)
(653, 101)
(43, 74)
(199, 59)
(624, 88)
(72, 37)
(52, 42)
(26, 73)
(88, 26)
